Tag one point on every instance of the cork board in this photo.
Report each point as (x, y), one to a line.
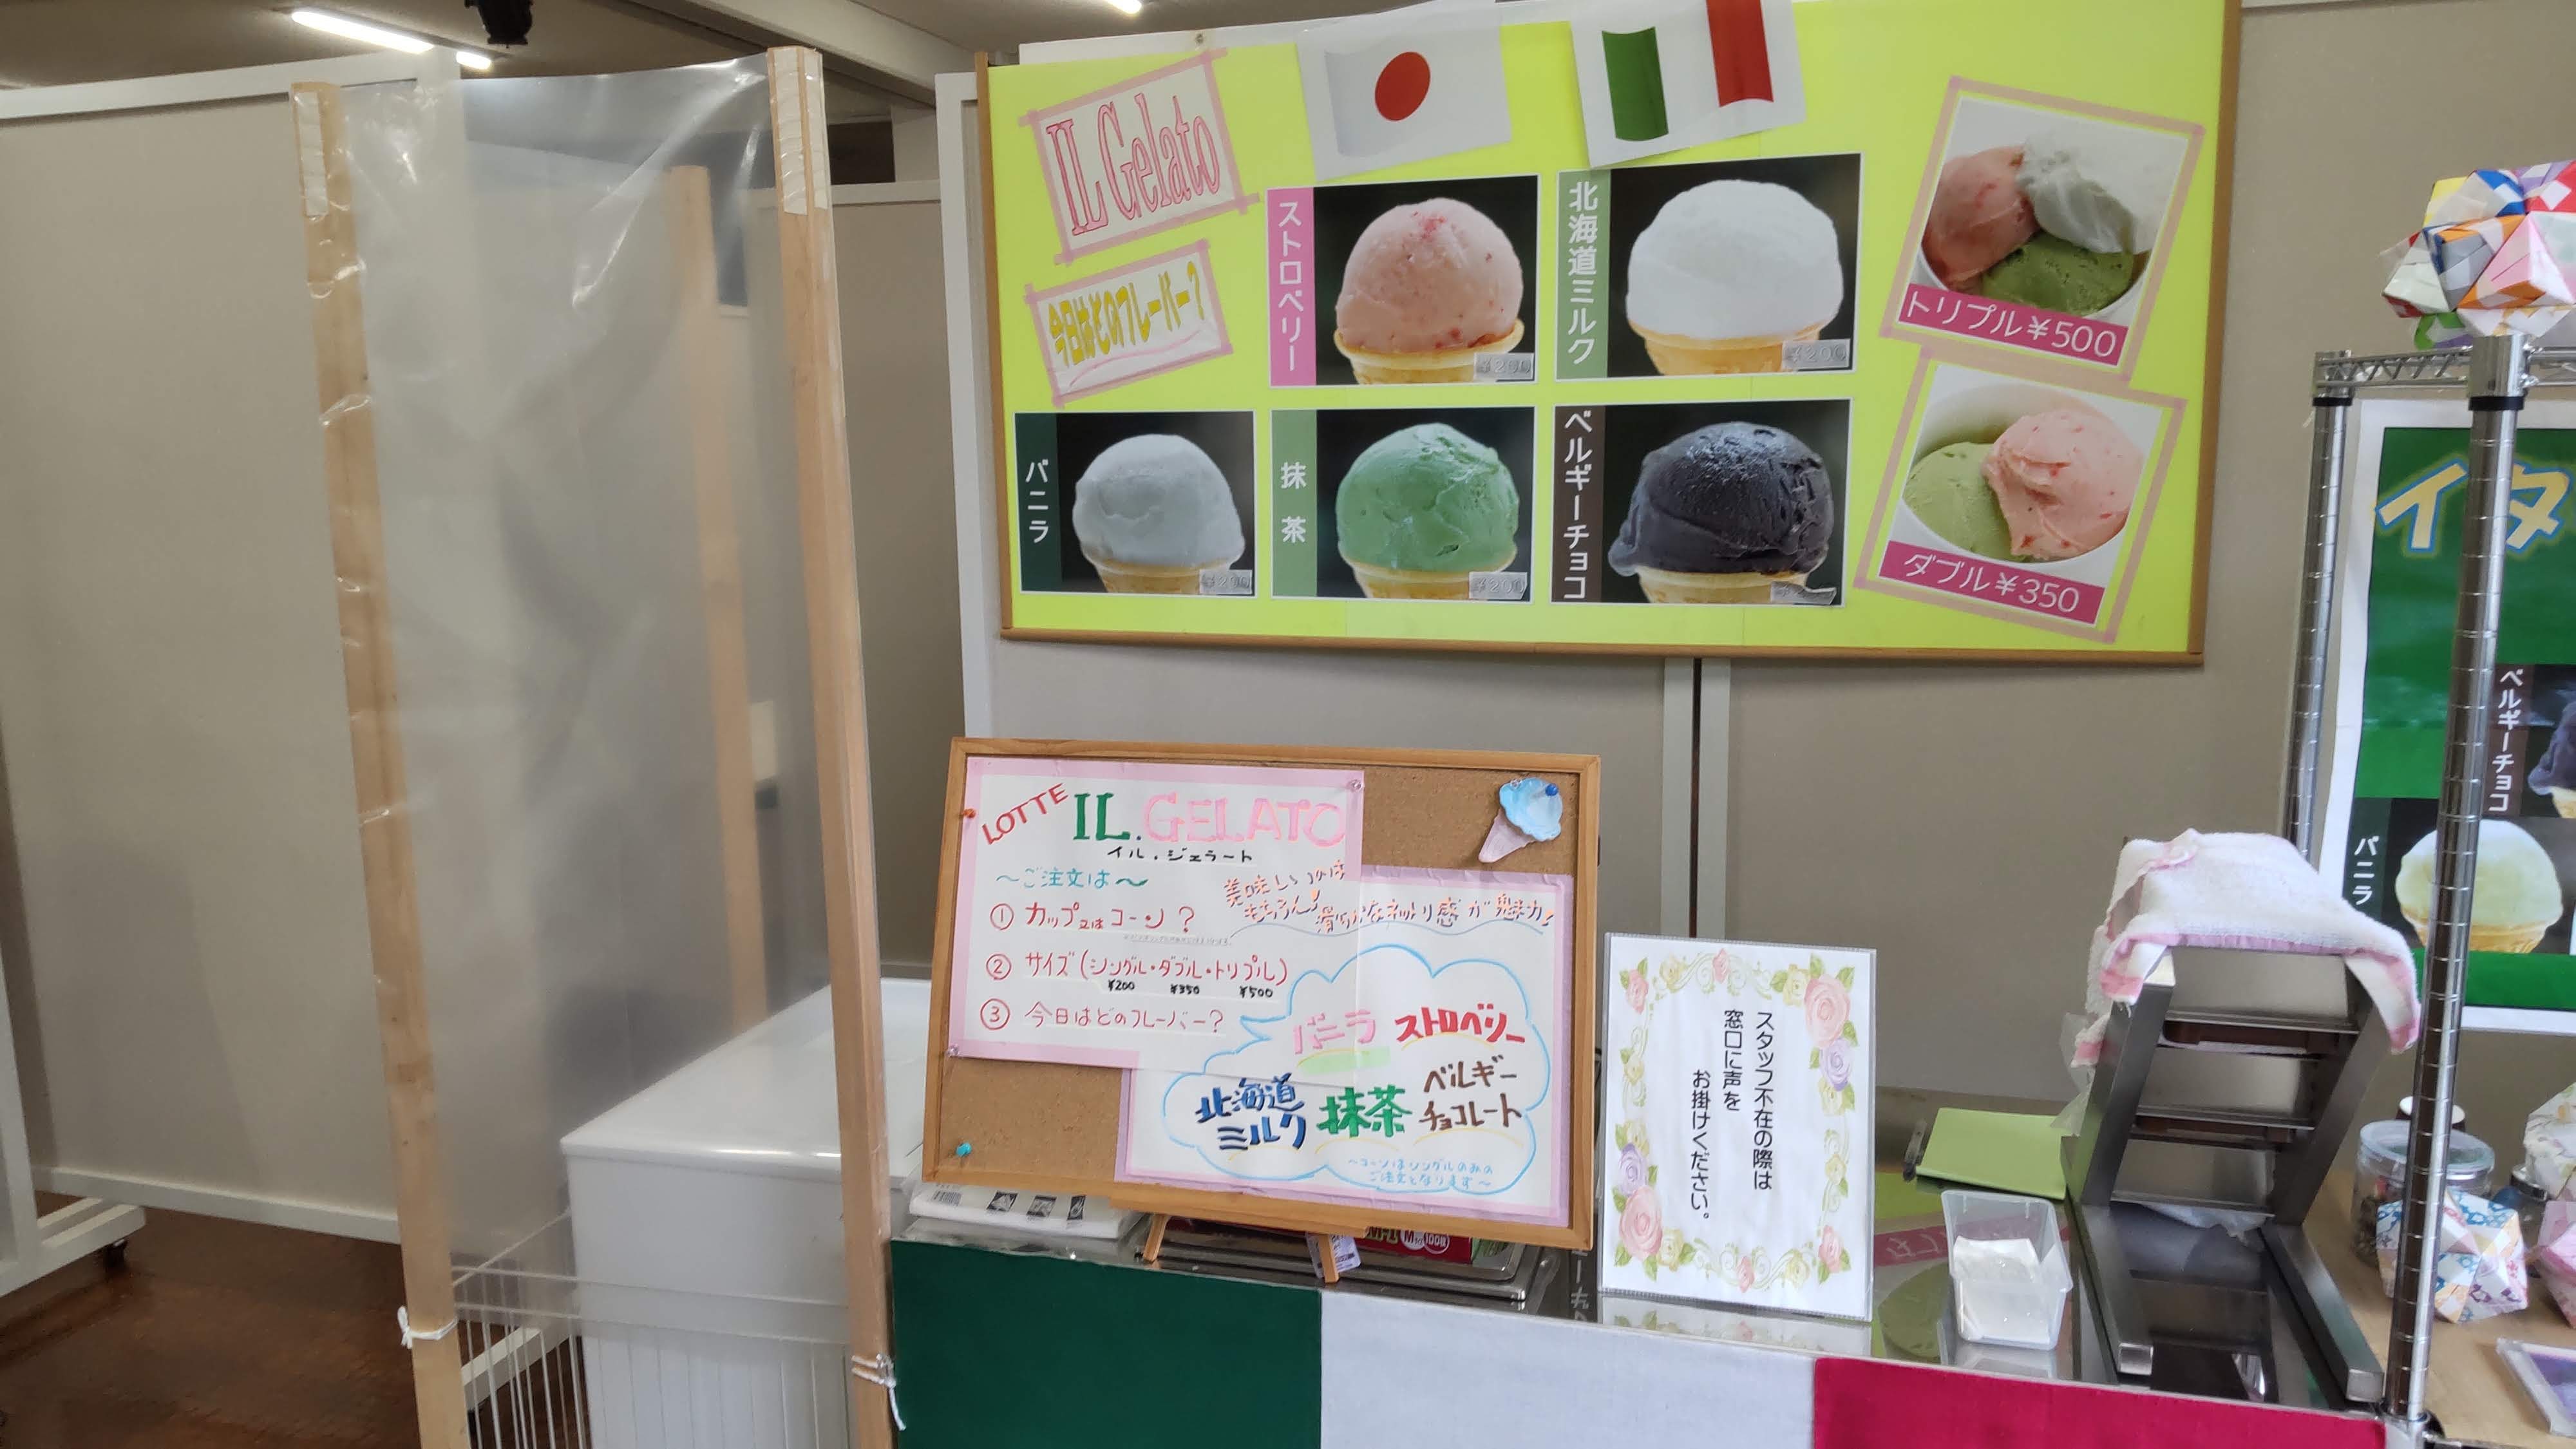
(1050, 1127)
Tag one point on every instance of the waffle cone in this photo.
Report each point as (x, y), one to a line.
(1131, 578)
(1380, 582)
(2565, 800)
(1458, 364)
(1663, 586)
(1678, 356)
(2518, 939)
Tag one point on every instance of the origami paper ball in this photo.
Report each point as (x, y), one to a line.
(2525, 270)
(2478, 1266)
(2474, 197)
(2461, 253)
(2548, 187)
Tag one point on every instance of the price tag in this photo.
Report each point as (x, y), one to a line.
(1510, 587)
(1235, 582)
(1815, 356)
(1506, 367)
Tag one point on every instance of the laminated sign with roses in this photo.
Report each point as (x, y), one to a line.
(1739, 1124)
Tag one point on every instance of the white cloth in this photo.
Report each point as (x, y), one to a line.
(2241, 893)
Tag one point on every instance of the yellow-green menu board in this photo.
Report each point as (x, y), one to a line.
(1678, 326)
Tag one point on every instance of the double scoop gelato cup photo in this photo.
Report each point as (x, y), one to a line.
(2062, 223)
(1728, 274)
(2514, 900)
(1423, 508)
(2022, 473)
(1154, 511)
(1428, 288)
(1722, 514)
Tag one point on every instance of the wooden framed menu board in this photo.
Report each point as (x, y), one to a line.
(1267, 985)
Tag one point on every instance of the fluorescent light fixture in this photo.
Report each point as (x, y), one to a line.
(359, 30)
(1126, 7)
(351, 28)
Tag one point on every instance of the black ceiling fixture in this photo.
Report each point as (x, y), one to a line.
(505, 22)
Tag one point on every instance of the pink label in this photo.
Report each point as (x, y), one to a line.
(1995, 583)
(1134, 321)
(2080, 339)
(1134, 158)
(1915, 1245)
(1294, 330)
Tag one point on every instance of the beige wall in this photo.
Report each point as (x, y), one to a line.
(1964, 820)
(892, 326)
(189, 973)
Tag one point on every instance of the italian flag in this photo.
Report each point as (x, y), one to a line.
(994, 1348)
(1687, 67)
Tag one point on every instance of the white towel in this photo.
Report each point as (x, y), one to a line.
(2243, 893)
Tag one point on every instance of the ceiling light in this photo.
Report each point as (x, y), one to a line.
(1126, 7)
(350, 28)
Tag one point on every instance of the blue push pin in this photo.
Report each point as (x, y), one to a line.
(964, 1148)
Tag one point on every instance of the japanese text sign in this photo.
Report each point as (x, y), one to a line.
(1416, 1061)
(1737, 1124)
(1106, 911)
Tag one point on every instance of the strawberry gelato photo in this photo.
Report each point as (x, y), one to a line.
(1425, 278)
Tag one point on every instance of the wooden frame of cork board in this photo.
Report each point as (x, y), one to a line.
(1052, 1127)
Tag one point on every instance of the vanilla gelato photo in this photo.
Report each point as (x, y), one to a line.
(1732, 267)
(1152, 503)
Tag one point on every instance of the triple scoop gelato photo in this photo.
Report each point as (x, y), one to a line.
(1423, 508)
(1728, 274)
(2062, 222)
(1428, 287)
(1722, 514)
(1152, 512)
(2515, 898)
(2055, 485)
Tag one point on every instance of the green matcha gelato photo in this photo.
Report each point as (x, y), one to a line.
(2056, 275)
(1949, 492)
(1422, 508)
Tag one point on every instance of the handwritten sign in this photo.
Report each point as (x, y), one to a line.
(1104, 908)
(1135, 158)
(1130, 322)
(1418, 1063)
(1738, 1124)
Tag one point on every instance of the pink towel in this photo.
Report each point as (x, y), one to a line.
(2244, 893)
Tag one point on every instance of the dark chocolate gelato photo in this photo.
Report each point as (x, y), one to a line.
(1710, 503)
(2554, 773)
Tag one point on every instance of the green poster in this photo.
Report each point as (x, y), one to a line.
(2519, 923)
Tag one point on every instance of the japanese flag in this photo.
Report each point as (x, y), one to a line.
(1382, 98)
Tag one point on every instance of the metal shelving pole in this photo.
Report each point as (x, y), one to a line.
(2496, 373)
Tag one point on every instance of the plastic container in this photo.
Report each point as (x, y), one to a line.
(2379, 1176)
(2008, 1272)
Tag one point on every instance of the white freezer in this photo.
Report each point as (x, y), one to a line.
(706, 1230)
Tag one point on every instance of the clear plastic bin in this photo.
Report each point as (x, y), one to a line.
(2008, 1272)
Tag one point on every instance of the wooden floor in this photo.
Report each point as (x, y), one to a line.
(213, 1335)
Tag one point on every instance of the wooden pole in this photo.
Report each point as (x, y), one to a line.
(375, 749)
(811, 298)
(687, 210)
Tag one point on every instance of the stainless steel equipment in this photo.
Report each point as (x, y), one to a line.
(2219, 1102)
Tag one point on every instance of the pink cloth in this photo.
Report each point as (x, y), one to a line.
(2242, 893)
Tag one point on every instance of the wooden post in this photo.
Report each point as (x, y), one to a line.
(811, 300)
(375, 748)
(688, 213)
